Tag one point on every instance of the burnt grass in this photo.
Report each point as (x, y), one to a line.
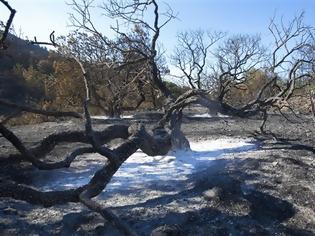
(268, 191)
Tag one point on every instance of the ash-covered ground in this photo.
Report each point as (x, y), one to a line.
(265, 190)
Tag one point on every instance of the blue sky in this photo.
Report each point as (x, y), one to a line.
(40, 17)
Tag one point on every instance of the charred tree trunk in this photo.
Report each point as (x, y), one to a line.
(263, 123)
(140, 86)
(178, 139)
(312, 105)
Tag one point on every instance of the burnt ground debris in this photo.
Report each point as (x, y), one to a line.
(268, 191)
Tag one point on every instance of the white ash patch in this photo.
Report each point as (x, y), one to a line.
(141, 170)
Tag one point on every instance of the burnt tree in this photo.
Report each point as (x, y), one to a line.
(286, 66)
(159, 142)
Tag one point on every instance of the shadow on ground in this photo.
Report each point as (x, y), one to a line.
(228, 208)
(219, 203)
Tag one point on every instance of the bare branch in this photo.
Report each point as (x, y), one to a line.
(8, 24)
(51, 43)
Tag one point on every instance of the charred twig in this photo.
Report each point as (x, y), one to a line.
(27, 155)
(47, 144)
(8, 24)
(52, 41)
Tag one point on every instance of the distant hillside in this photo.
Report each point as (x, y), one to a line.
(20, 52)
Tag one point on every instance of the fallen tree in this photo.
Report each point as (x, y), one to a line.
(286, 68)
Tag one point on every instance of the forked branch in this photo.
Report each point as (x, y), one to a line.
(8, 23)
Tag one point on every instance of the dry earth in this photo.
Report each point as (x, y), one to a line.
(269, 191)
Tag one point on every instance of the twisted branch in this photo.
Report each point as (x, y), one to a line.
(8, 24)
